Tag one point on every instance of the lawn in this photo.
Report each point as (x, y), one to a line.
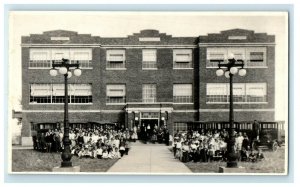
(274, 163)
(34, 161)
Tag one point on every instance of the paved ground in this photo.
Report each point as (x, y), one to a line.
(149, 158)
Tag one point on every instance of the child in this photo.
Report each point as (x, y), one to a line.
(252, 156)
(99, 152)
(244, 155)
(260, 156)
(105, 154)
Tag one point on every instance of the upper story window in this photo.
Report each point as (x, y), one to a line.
(242, 92)
(41, 58)
(256, 57)
(149, 93)
(252, 56)
(182, 93)
(55, 93)
(182, 59)
(115, 93)
(115, 59)
(149, 59)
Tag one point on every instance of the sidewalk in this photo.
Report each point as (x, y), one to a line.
(149, 158)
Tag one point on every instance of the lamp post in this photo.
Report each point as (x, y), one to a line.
(64, 68)
(231, 68)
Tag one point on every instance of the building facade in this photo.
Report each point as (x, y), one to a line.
(145, 78)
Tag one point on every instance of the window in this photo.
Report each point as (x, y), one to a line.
(182, 93)
(115, 93)
(55, 93)
(216, 93)
(256, 92)
(215, 55)
(180, 127)
(182, 58)
(149, 93)
(83, 56)
(239, 92)
(41, 58)
(242, 92)
(149, 59)
(252, 56)
(40, 93)
(256, 57)
(115, 59)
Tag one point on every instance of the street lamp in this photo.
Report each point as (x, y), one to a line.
(231, 68)
(64, 68)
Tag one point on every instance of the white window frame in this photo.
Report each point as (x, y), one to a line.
(32, 52)
(146, 64)
(188, 52)
(262, 64)
(215, 50)
(73, 91)
(67, 53)
(87, 62)
(242, 53)
(262, 86)
(146, 91)
(183, 98)
(121, 97)
(110, 52)
(244, 96)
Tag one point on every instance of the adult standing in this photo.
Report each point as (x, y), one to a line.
(256, 129)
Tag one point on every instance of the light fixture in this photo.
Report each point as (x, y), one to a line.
(136, 118)
(227, 74)
(77, 72)
(63, 70)
(233, 70)
(219, 72)
(162, 118)
(53, 72)
(242, 72)
(69, 74)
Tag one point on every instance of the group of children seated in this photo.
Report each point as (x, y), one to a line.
(99, 142)
(212, 146)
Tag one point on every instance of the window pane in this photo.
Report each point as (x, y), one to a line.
(182, 58)
(149, 55)
(39, 58)
(55, 93)
(115, 93)
(149, 93)
(182, 93)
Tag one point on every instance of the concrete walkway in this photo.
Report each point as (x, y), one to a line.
(149, 158)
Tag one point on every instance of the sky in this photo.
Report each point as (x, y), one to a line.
(122, 24)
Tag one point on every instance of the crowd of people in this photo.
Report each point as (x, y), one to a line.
(107, 142)
(212, 146)
(100, 142)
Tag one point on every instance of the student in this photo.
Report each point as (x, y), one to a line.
(252, 156)
(99, 152)
(185, 152)
(105, 154)
(260, 156)
(244, 155)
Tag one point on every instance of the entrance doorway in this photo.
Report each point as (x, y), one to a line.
(149, 122)
(149, 125)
